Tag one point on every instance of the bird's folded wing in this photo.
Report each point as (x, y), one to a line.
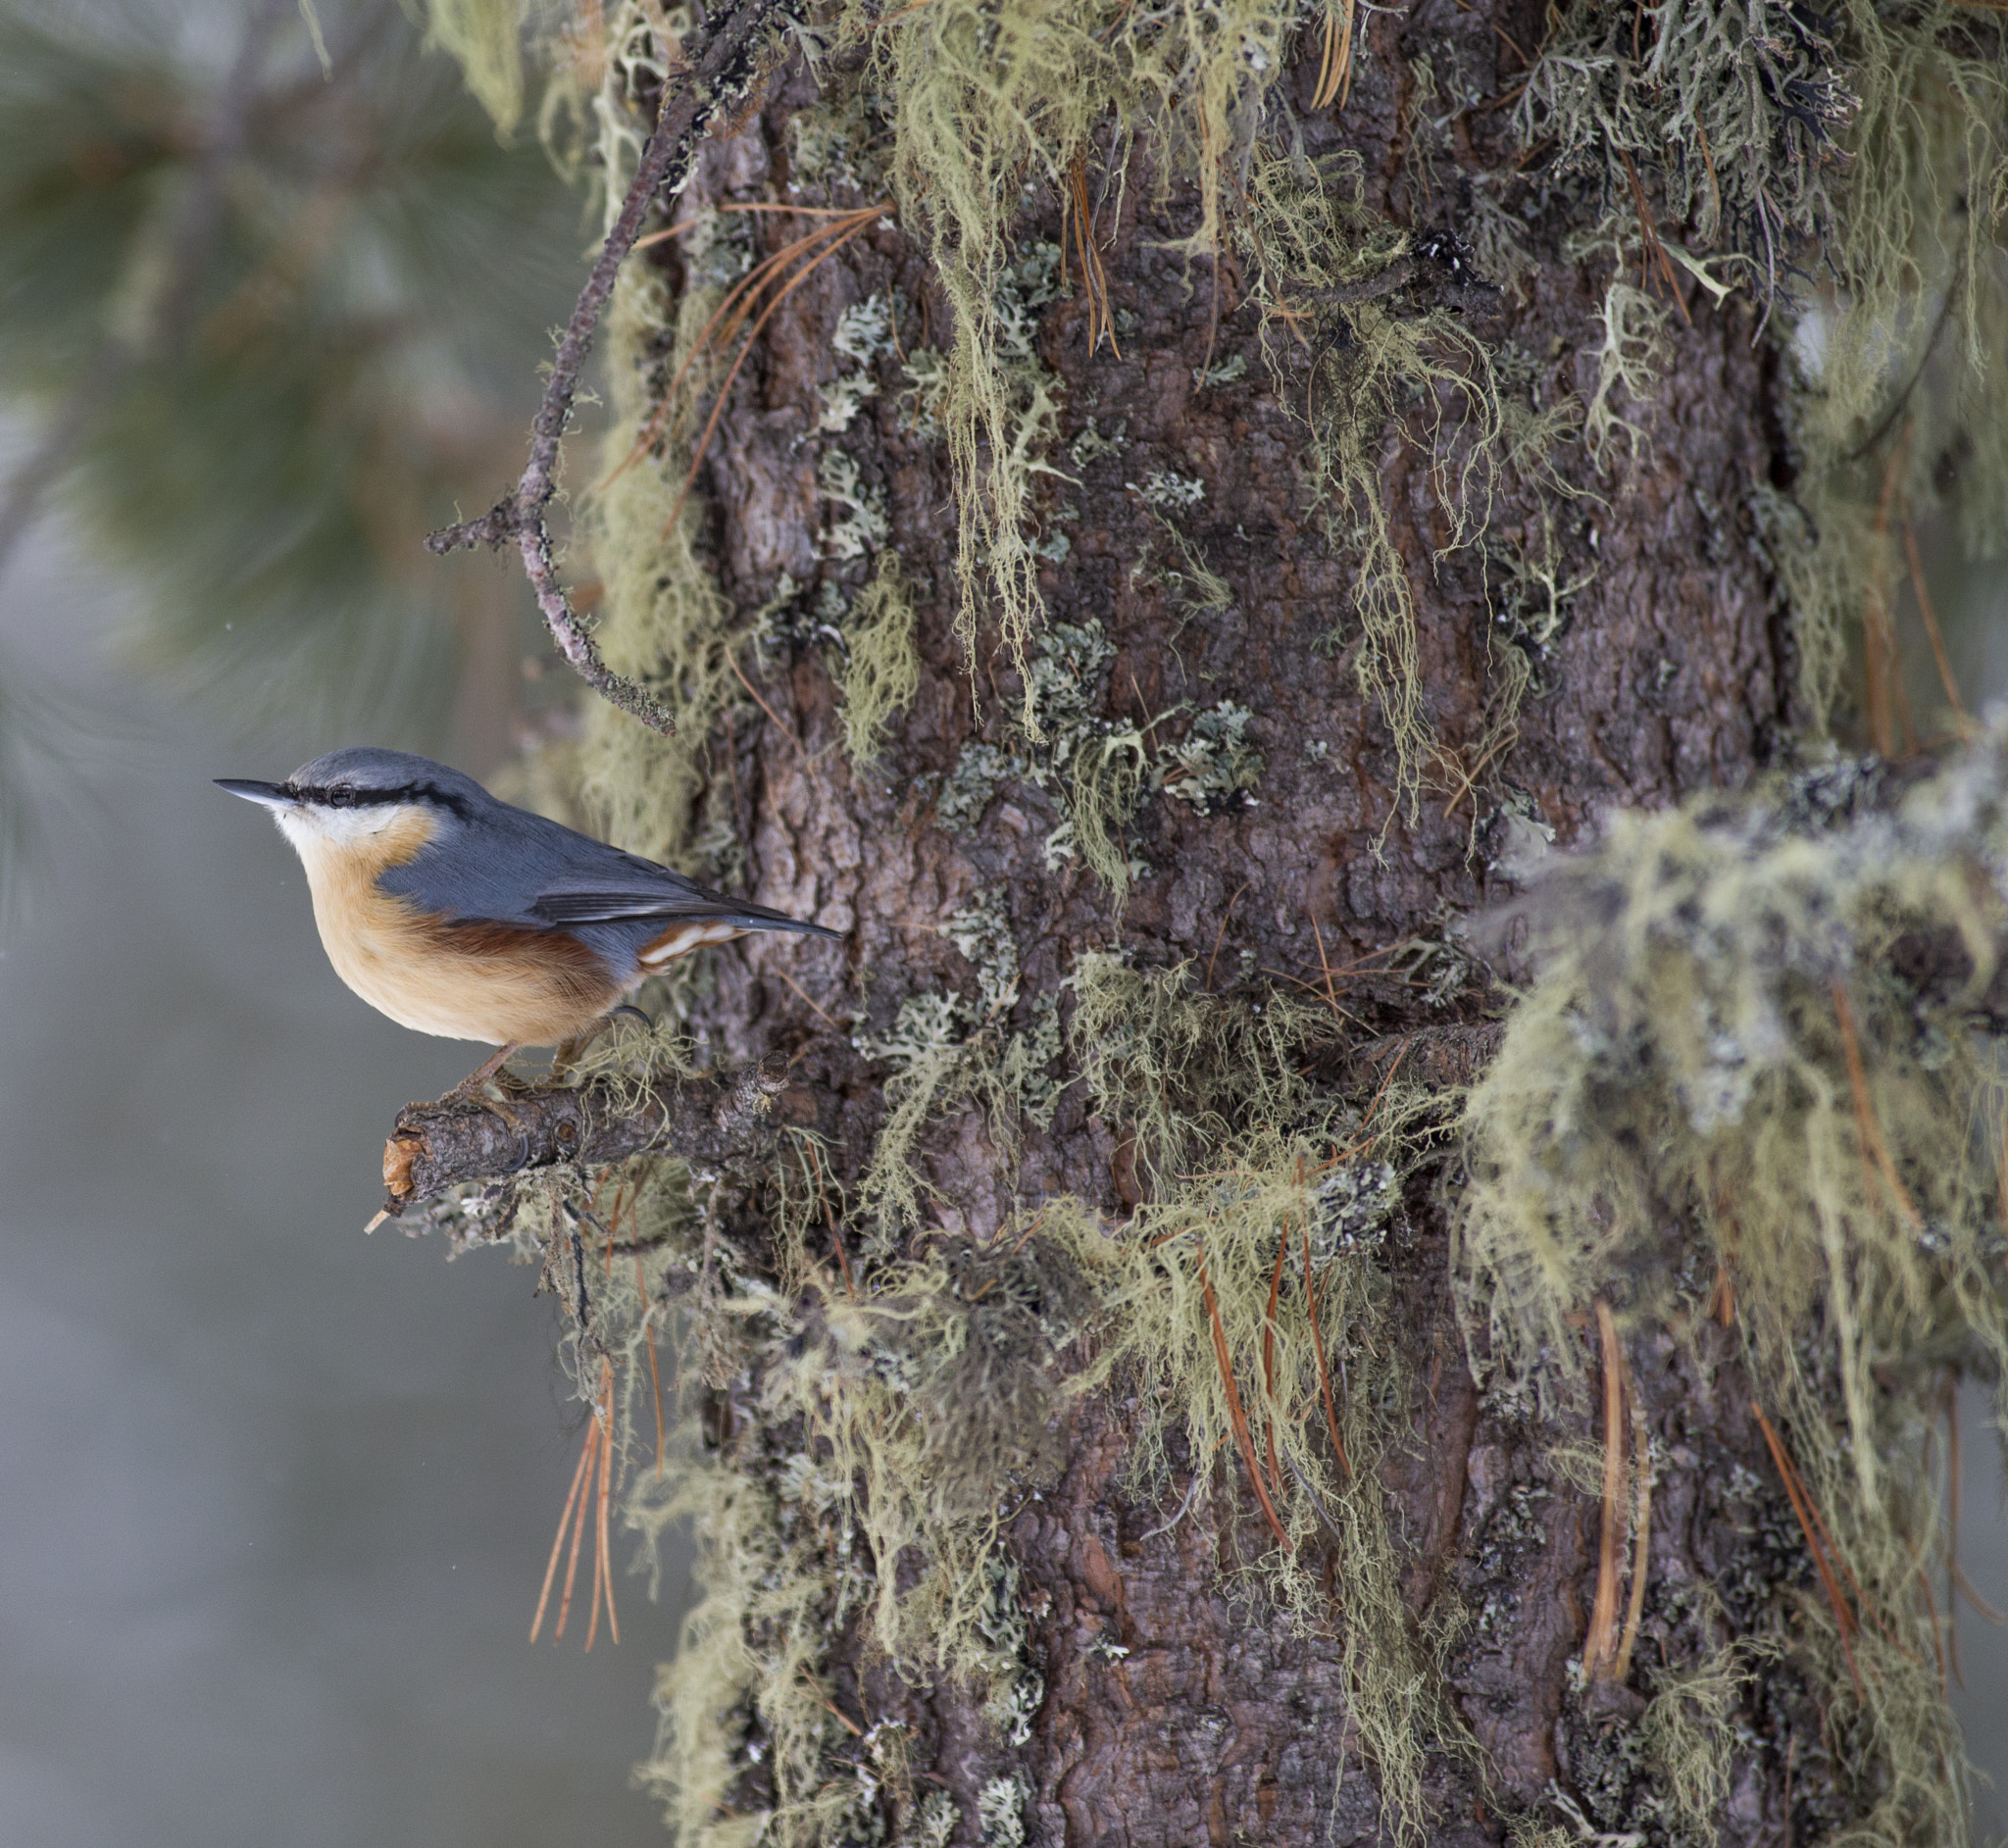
(602, 901)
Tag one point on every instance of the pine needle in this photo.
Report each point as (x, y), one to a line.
(1843, 1617)
(1237, 1417)
(1323, 1368)
(1600, 1646)
(1873, 1144)
(1335, 68)
(1960, 716)
(558, 1544)
(1641, 1549)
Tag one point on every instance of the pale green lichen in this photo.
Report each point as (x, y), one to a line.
(864, 335)
(865, 525)
(895, 1417)
(664, 622)
(1689, 1733)
(881, 669)
(1630, 359)
(1720, 1042)
(982, 98)
(945, 1048)
(486, 36)
(1739, 112)
(1311, 239)
(1214, 766)
(1866, 148)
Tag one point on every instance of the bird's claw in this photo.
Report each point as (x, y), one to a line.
(521, 1161)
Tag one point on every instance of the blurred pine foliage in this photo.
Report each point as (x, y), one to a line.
(267, 320)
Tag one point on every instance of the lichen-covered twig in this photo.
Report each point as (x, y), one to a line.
(717, 1119)
(722, 73)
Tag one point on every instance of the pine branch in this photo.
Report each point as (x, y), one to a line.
(190, 244)
(724, 72)
(719, 1119)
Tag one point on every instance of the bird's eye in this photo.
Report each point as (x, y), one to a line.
(342, 798)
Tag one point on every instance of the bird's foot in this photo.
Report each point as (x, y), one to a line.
(490, 1069)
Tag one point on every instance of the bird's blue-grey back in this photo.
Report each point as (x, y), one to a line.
(490, 861)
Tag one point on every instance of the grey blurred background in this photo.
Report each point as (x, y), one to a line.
(278, 1496)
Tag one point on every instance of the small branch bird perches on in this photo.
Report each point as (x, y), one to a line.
(717, 1119)
(721, 75)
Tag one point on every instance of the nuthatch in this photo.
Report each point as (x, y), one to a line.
(460, 915)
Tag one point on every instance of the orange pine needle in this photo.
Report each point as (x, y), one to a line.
(558, 1544)
(1599, 1646)
(1641, 1551)
(1930, 616)
(603, 1561)
(1865, 1115)
(1722, 1299)
(1323, 962)
(795, 281)
(1655, 254)
(1843, 1617)
(1335, 69)
(1236, 1415)
(1095, 279)
(737, 305)
(592, 1440)
(599, 1556)
(1324, 1371)
(1221, 933)
(732, 661)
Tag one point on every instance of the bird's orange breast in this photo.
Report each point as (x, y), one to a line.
(492, 982)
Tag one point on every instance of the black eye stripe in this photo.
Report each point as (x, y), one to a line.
(346, 796)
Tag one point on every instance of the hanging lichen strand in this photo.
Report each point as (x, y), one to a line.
(1751, 1085)
(1766, 1086)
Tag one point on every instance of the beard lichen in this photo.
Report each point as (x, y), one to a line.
(1848, 172)
(890, 1425)
(1320, 260)
(881, 669)
(1768, 1076)
(664, 621)
(983, 98)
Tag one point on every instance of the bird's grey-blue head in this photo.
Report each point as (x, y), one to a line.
(363, 777)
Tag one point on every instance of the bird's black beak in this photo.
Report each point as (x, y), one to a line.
(272, 795)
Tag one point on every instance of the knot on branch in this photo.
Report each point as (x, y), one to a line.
(502, 523)
(719, 1120)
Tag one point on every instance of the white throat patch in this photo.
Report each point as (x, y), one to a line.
(307, 826)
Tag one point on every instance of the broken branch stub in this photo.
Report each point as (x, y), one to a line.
(719, 1119)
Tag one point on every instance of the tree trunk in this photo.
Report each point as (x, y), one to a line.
(1176, 1632)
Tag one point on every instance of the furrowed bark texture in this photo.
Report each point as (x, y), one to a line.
(1224, 1721)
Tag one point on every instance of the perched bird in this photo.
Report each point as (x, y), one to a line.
(458, 915)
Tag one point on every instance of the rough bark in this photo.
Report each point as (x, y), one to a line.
(1226, 1721)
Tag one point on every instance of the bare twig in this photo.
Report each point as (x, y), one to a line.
(717, 1119)
(725, 71)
